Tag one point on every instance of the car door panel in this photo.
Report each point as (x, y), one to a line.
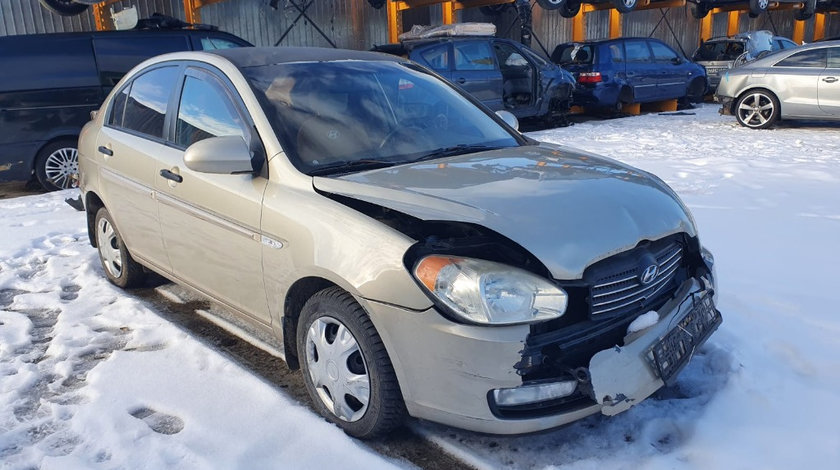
(475, 71)
(828, 92)
(217, 251)
(640, 71)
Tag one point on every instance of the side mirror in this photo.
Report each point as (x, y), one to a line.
(509, 118)
(223, 155)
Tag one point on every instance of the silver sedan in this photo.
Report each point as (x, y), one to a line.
(800, 83)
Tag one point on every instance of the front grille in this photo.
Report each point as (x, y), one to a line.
(616, 293)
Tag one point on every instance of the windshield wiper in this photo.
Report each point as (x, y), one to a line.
(346, 166)
(452, 151)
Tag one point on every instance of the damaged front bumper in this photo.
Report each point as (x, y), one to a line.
(452, 373)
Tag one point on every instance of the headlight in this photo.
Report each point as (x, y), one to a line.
(490, 293)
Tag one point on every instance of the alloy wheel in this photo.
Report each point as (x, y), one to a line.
(61, 165)
(337, 369)
(756, 110)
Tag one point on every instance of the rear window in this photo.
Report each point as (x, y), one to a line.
(573, 54)
(719, 50)
(815, 58)
(42, 62)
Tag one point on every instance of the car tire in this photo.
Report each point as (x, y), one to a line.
(332, 316)
(551, 4)
(377, 4)
(758, 7)
(64, 7)
(56, 164)
(625, 6)
(699, 10)
(757, 109)
(120, 268)
(570, 9)
(696, 90)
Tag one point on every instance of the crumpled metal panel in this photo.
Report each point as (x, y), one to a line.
(350, 24)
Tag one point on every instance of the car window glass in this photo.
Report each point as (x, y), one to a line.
(661, 52)
(509, 57)
(115, 56)
(535, 57)
(205, 111)
(787, 43)
(473, 56)
(616, 53)
(437, 57)
(833, 57)
(33, 62)
(145, 108)
(815, 58)
(637, 51)
(573, 53)
(118, 107)
(211, 43)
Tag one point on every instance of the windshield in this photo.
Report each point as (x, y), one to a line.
(718, 50)
(336, 117)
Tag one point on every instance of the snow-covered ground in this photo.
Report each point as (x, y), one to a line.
(93, 378)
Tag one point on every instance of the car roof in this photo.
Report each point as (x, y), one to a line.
(606, 41)
(126, 32)
(257, 56)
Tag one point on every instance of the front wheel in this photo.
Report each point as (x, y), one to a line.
(64, 7)
(120, 268)
(551, 4)
(696, 90)
(346, 368)
(570, 9)
(699, 10)
(757, 109)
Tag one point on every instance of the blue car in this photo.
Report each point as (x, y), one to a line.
(502, 74)
(615, 72)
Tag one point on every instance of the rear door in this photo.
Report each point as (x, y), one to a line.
(641, 71)
(211, 222)
(475, 70)
(829, 84)
(128, 145)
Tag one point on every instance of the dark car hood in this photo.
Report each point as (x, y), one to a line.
(570, 209)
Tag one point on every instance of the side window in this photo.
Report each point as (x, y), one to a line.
(637, 51)
(473, 56)
(145, 108)
(616, 53)
(815, 58)
(661, 52)
(205, 111)
(115, 56)
(509, 57)
(118, 107)
(787, 43)
(437, 57)
(209, 43)
(834, 57)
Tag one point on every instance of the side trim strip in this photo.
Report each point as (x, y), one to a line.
(210, 217)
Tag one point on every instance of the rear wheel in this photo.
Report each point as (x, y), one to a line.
(346, 368)
(551, 4)
(377, 3)
(57, 164)
(570, 9)
(696, 90)
(64, 7)
(758, 7)
(699, 10)
(119, 266)
(757, 109)
(625, 6)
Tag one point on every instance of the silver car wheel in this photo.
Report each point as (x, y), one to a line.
(109, 247)
(337, 369)
(629, 3)
(61, 165)
(763, 4)
(756, 110)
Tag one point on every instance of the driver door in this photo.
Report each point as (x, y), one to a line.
(211, 222)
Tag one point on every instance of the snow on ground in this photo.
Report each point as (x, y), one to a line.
(92, 378)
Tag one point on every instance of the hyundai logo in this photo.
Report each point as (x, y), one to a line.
(649, 274)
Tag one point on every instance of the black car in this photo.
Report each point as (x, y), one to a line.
(51, 82)
(804, 9)
(502, 74)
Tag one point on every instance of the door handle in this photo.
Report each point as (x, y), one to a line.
(171, 176)
(830, 79)
(461, 80)
(106, 151)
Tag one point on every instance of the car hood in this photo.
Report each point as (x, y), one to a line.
(568, 208)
